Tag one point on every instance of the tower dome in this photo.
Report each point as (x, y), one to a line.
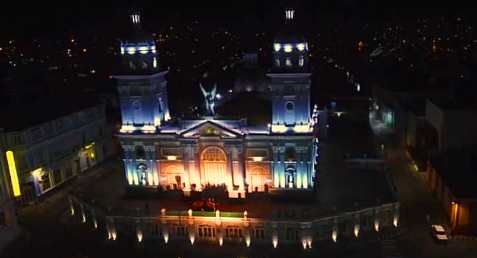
(290, 48)
(138, 50)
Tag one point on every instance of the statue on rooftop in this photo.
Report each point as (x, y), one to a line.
(210, 97)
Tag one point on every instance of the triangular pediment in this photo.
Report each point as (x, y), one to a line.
(210, 129)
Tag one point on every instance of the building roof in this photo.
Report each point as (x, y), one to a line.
(25, 114)
(458, 171)
(450, 103)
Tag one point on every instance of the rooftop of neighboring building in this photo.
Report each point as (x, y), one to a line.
(33, 111)
(453, 103)
(416, 106)
(457, 168)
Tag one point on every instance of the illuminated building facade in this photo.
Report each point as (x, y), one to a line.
(51, 149)
(193, 155)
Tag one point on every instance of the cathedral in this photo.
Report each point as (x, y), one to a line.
(161, 152)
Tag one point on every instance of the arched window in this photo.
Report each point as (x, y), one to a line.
(213, 166)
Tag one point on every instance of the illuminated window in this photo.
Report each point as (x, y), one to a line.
(289, 14)
(214, 165)
(135, 18)
(143, 50)
(131, 50)
(287, 48)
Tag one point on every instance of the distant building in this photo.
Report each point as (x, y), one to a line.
(161, 152)
(47, 142)
(453, 122)
(451, 179)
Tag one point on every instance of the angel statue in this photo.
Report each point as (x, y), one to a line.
(209, 97)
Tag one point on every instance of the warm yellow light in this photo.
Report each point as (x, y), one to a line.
(156, 178)
(130, 178)
(148, 129)
(221, 241)
(276, 128)
(37, 173)
(171, 157)
(192, 239)
(416, 167)
(305, 128)
(300, 46)
(356, 230)
(127, 129)
(376, 225)
(189, 212)
(256, 159)
(334, 235)
(89, 146)
(287, 48)
(247, 241)
(308, 241)
(303, 243)
(157, 119)
(166, 237)
(92, 155)
(139, 236)
(275, 241)
(13, 174)
(305, 181)
(396, 220)
(245, 214)
(217, 214)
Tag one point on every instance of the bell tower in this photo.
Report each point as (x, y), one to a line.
(290, 79)
(142, 85)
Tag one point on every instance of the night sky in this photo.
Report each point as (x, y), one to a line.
(23, 18)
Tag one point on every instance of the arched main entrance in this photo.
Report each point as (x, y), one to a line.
(213, 164)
